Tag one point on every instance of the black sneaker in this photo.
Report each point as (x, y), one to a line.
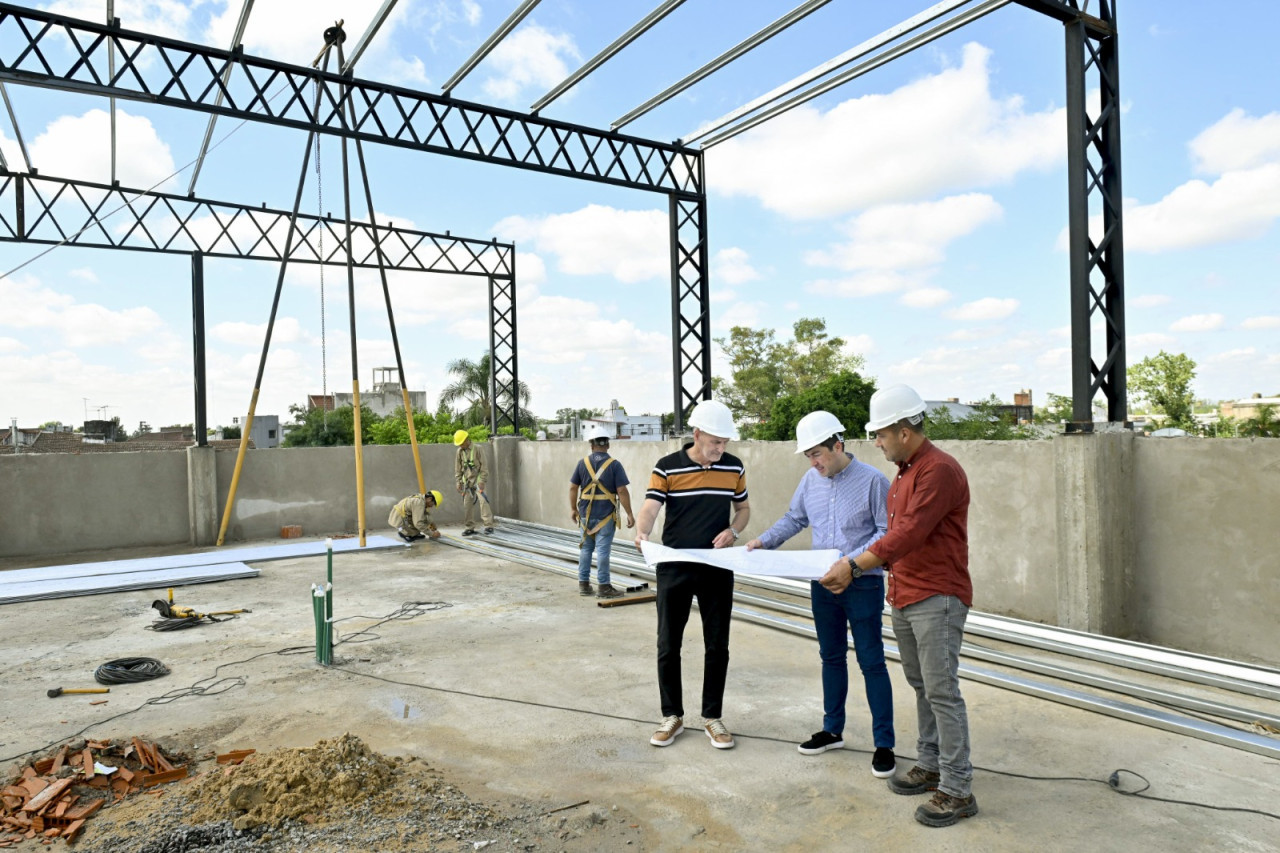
(405, 536)
(469, 533)
(608, 590)
(883, 764)
(584, 588)
(820, 743)
(944, 809)
(488, 530)
(917, 781)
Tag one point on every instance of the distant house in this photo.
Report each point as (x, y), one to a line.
(383, 398)
(1247, 409)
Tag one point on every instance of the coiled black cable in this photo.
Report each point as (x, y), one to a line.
(129, 671)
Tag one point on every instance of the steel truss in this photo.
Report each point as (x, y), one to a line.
(1093, 172)
(42, 209)
(38, 48)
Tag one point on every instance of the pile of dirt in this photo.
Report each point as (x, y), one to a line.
(340, 796)
(293, 784)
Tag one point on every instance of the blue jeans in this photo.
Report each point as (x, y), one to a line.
(929, 634)
(860, 607)
(601, 543)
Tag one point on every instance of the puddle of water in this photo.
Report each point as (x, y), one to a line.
(403, 709)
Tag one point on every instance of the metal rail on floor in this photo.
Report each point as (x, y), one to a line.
(517, 540)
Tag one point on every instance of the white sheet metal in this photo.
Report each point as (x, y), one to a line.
(36, 590)
(206, 558)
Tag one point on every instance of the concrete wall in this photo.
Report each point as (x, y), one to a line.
(1207, 568)
(58, 503)
(1169, 541)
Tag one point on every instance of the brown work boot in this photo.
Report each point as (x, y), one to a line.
(944, 809)
(667, 731)
(917, 781)
(584, 588)
(608, 590)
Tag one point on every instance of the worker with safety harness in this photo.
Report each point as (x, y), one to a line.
(469, 472)
(411, 517)
(603, 484)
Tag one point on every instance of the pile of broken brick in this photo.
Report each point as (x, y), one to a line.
(53, 797)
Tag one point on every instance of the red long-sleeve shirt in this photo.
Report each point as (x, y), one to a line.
(927, 545)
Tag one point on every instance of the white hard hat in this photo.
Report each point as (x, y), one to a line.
(714, 417)
(592, 431)
(892, 404)
(815, 428)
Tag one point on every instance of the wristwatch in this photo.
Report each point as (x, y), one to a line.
(854, 568)
(735, 533)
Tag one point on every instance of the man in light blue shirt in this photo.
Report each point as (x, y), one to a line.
(843, 500)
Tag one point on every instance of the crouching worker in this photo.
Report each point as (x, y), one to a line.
(411, 517)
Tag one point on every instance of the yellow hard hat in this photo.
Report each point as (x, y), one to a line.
(439, 498)
(459, 437)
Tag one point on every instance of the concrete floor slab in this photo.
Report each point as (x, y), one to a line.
(527, 688)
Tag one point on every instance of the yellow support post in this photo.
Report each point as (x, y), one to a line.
(413, 439)
(235, 477)
(355, 387)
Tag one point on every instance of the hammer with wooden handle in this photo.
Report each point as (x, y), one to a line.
(58, 691)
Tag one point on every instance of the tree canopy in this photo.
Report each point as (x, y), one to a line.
(845, 395)
(471, 388)
(1164, 382)
(763, 371)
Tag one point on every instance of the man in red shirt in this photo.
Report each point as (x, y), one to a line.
(926, 551)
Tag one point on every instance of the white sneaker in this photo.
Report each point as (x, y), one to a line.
(667, 731)
(720, 737)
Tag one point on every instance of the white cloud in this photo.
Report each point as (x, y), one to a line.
(630, 245)
(1237, 142)
(925, 297)
(84, 274)
(8, 345)
(531, 58)
(1261, 323)
(907, 236)
(937, 134)
(32, 306)
(290, 32)
(866, 284)
(1197, 323)
(287, 330)
(143, 159)
(980, 310)
(161, 17)
(1241, 354)
(1147, 343)
(738, 313)
(1149, 300)
(858, 344)
(1240, 205)
(733, 266)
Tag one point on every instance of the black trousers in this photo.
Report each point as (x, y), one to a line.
(678, 585)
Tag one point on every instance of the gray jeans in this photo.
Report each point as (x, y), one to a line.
(929, 634)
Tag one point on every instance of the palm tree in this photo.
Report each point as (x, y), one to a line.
(472, 390)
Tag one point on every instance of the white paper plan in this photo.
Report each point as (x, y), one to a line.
(801, 565)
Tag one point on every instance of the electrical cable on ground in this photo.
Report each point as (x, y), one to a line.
(212, 685)
(1113, 782)
(129, 671)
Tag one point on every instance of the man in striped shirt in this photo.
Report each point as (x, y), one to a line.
(843, 501)
(704, 491)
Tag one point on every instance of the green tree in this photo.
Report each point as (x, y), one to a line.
(231, 432)
(845, 395)
(1263, 424)
(1057, 408)
(317, 428)
(471, 388)
(986, 423)
(763, 370)
(1164, 382)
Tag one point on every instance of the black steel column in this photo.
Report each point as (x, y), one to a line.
(1093, 173)
(504, 380)
(197, 337)
(690, 304)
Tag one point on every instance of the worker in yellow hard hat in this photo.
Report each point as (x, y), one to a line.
(470, 474)
(411, 517)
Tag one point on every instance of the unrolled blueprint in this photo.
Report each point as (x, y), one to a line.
(802, 565)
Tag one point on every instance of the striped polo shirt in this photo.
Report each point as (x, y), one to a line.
(698, 500)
